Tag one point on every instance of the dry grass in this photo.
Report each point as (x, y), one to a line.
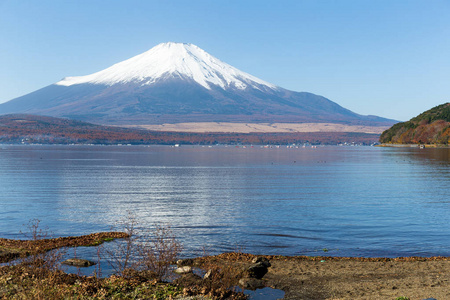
(204, 127)
(21, 282)
(11, 249)
(222, 274)
(140, 261)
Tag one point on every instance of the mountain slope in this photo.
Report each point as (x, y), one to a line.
(430, 127)
(174, 83)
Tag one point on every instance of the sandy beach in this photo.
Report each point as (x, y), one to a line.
(356, 278)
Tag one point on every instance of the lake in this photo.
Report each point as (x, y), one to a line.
(339, 201)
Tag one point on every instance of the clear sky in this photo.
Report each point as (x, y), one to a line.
(385, 57)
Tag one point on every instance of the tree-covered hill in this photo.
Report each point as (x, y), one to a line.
(430, 127)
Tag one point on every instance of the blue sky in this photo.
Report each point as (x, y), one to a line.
(387, 58)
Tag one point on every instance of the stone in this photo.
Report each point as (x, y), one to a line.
(183, 270)
(78, 262)
(208, 274)
(251, 283)
(263, 260)
(257, 270)
(185, 262)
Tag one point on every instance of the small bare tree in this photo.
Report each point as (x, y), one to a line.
(41, 257)
(120, 257)
(158, 250)
(150, 252)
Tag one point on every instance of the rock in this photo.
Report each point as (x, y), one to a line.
(251, 283)
(183, 270)
(256, 270)
(263, 260)
(208, 274)
(185, 262)
(78, 262)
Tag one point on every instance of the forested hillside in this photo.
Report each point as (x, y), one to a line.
(430, 127)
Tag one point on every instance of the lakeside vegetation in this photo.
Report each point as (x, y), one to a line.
(33, 268)
(141, 269)
(430, 127)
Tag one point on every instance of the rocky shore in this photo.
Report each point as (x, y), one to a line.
(300, 277)
(303, 277)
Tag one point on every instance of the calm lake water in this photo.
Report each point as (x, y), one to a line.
(353, 201)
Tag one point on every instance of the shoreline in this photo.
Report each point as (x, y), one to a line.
(11, 249)
(23, 247)
(432, 146)
(306, 277)
(300, 277)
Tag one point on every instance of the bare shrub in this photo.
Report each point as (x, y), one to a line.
(39, 257)
(151, 252)
(36, 232)
(98, 269)
(158, 250)
(120, 257)
(223, 273)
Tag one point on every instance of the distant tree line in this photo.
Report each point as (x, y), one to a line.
(48, 130)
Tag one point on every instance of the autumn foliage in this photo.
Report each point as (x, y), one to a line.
(31, 129)
(430, 127)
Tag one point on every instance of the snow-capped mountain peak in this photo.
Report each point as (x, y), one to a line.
(172, 60)
(178, 83)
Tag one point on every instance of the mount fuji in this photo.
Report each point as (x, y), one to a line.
(176, 83)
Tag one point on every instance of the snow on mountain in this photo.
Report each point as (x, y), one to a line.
(172, 60)
(176, 83)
